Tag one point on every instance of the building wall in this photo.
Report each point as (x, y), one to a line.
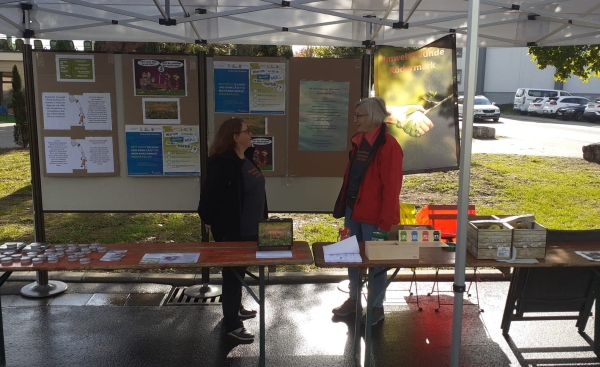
(7, 61)
(507, 69)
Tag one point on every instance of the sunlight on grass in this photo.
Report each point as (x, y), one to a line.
(562, 193)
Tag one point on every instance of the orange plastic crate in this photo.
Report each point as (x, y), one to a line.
(443, 218)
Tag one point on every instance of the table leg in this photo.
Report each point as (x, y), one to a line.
(511, 297)
(597, 318)
(369, 316)
(261, 307)
(358, 315)
(3, 278)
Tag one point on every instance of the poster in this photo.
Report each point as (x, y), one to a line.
(323, 120)
(90, 155)
(155, 150)
(154, 77)
(161, 111)
(264, 153)
(407, 77)
(63, 111)
(249, 87)
(75, 68)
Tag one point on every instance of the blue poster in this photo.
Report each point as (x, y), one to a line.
(144, 153)
(232, 90)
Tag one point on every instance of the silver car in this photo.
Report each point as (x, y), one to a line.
(483, 109)
(592, 111)
(554, 103)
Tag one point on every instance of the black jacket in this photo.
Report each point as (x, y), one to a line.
(221, 196)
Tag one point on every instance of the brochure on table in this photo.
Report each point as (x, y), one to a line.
(345, 251)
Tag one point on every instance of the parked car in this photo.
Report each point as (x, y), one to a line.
(592, 111)
(554, 103)
(483, 109)
(524, 96)
(571, 113)
(536, 106)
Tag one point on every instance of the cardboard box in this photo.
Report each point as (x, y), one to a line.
(486, 243)
(390, 250)
(528, 242)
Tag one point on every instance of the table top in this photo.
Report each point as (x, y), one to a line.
(557, 254)
(211, 254)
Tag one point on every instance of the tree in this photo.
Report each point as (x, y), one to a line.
(21, 129)
(582, 61)
(331, 52)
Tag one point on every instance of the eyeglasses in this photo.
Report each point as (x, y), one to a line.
(243, 131)
(357, 115)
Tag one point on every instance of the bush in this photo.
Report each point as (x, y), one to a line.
(21, 131)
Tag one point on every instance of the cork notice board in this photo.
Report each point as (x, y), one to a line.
(93, 99)
(338, 79)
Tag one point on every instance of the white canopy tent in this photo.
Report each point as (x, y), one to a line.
(415, 23)
(503, 23)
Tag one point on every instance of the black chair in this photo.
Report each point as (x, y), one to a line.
(38, 45)
(557, 289)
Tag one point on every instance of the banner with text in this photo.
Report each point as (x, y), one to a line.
(419, 87)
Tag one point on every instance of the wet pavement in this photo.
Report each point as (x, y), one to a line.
(139, 324)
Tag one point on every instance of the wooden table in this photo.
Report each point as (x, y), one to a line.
(558, 255)
(212, 254)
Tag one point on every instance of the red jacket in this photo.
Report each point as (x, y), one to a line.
(378, 199)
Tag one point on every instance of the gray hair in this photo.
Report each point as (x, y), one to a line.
(375, 109)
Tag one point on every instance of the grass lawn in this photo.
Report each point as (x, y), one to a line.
(562, 193)
(7, 118)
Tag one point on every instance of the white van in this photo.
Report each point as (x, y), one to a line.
(524, 96)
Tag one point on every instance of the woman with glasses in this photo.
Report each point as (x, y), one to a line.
(232, 202)
(369, 198)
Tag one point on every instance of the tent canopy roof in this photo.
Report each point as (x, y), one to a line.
(502, 23)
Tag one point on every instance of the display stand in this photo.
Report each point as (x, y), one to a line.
(43, 287)
(204, 290)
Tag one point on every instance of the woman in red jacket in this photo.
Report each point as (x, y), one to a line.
(369, 198)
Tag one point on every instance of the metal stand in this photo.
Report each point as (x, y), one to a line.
(204, 290)
(436, 288)
(43, 287)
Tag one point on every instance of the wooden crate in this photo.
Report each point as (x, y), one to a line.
(530, 242)
(390, 250)
(489, 243)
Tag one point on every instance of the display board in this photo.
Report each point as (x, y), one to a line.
(301, 178)
(110, 142)
(126, 132)
(323, 94)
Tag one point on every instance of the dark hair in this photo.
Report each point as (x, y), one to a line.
(224, 138)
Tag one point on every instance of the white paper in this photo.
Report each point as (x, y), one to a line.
(343, 258)
(91, 154)
(590, 255)
(171, 258)
(345, 251)
(272, 254)
(114, 255)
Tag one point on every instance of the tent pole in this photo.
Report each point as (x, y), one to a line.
(464, 180)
